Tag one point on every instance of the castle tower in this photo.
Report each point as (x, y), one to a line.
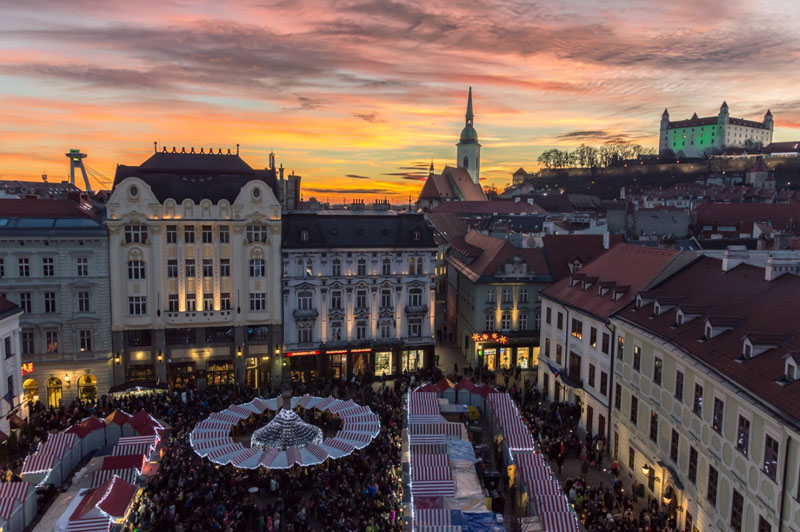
(722, 120)
(468, 150)
(768, 122)
(663, 139)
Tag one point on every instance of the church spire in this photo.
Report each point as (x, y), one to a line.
(469, 115)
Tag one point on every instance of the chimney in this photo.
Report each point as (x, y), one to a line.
(761, 245)
(516, 200)
(530, 201)
(606, 239)
(734, 256)
(777, 266)
(780, 240)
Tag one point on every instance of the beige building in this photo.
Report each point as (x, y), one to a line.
(194, 246)
(705, 399)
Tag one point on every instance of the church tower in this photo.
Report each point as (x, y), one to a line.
(468, 150)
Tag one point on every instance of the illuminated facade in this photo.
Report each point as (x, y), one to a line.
(358, 293)
(697, 137)
(195, 255)
(54, 264)
(11, 374)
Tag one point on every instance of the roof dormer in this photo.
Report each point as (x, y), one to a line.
(575, 278)
(619, 291)
(753, 344)
(604, 287)
(790, 368)
(645, 298)
(716, 325)
(664, 304)
(687, 313)
(588, 282)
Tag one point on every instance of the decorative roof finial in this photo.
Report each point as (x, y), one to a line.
(470, 116)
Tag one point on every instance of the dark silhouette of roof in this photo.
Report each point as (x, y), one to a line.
(8, 308)
(196, 176)
(353, 229)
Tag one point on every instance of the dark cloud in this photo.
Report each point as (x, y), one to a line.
(371, 117)
(601, 136)
(90, 75)
(354, 176)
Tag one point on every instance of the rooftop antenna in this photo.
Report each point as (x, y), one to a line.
(76, 161)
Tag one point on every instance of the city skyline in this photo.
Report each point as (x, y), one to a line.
(359, 97)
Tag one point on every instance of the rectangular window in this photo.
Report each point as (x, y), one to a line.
(51, 338)
(304, 300)
(25, 301)
(618, 396)
(304, 333)
(2, 267)
(135, 233)
(83, 301)
(172, 234)
(547, 347)
(620, 347)
(386, 267)
(258, 302)
(637, 357)
(631, 458)
(634, 414)
(48, 267)
(763, 524)
(506, 295)
(361, 267)
(208, 302)
(257, 268)
(85, 340)
(658, 365)
(208, 267)
(137, 305)
(172, 268)
(713, 477)
(172, 303)
(505, 322)
(415, 297)
(679, 385)
(135, 269)
(336, 299)
(190, 268)
(771, 457)
(386, 330)
(188, 234)
(593, 337)
(50, 302)
(191, 302)
(336, 330)
(361, 330)
(674, 442)
(737, 507)
(82, 264)
(591, 375)
(207, 234)
(560, 321)
(225, 301)
(523, 295)
(256, 233)
(693, 465)
(549, 316)
(224, 267)
(743, 435)
(27, 342)
(558, 354)
(336, 268)
(361, 299)
(224, 234)
(24, 266)
(606, 343)
(603, 383)
(491, 295)
(719, 409)
(577, 329)
(653, 426)
(522, 324)
(414, 327)
(7, 345)
(697, 405)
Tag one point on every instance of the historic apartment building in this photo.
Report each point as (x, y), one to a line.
(358, 293)
(194, 242)
(54, 265)
(578, 337)
(697, 137)
(705, 400)
(15, 406)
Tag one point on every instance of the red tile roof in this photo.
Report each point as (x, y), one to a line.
(491, 254)
(563, 249)
(8, 307)
(760, 166)
(635, 266)
(783, 147)
(744, 215)
(447, 225)
(749, 304)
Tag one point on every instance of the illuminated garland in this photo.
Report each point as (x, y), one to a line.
(284, 431)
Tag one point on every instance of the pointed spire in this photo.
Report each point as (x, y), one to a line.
(431, 170)
(665, 113)
(469, 116)
(769, 113)
(724, 105)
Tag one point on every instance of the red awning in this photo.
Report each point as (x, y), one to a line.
(16, 422)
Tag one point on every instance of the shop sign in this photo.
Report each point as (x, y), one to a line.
(489, 337)
(336, 352)
(27, 367)
(362, 350)
(302, 353)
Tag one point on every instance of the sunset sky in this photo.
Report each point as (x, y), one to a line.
(359, 96)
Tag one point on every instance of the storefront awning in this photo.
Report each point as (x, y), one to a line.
(145, 384)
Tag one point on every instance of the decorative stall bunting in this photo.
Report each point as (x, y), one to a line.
(279, 449)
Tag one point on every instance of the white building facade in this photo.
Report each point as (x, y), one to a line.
(358, 293)
(194, 242)
(54, 264)
(13, 400)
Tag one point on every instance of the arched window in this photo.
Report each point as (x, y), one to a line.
(87, 388)
(54, 392)
(466, 162)
(304, 235)
(31, 388)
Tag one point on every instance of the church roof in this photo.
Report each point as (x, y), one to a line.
(760, 166)
(520, 171)
(452, 184)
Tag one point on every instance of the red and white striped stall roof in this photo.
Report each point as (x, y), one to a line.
(245, 455)
(293, 455)
(15, 490)
(433, 488)
(423, 404)
(341, 406)
(38, 463)
(446, 428)
(207, 424)
(354, 436)
(418, 439)
(423, 461)
(219, 455)
(522, 441)
(552, 503)
(139, 448)
(268, 457)
(439, 528)
(318, 452)
(129, 475)
(325, 403)
(540, 486)
(339, 444)
(212, 444)
(91, 524)
(427, 448)
(7, 506)
(559, 522)
(529, 459)
(429, 517)
(58, 444)
(239, 411)
(225, 416)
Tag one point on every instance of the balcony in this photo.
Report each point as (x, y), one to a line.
(198, 316)
(305, 313)
(571, 381)
(416, 309)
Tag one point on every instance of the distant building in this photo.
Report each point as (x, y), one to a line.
(760, 176)
(14, 405)
(194, 242)
(452, 185)
(697, 137)
(54, 264)
(742, 220)
(519, 177)
(36, 189)
(468, 152)
(358, 293)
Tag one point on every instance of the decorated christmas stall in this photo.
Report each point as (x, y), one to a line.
(98, 509)
(91, 432)
(12, 515)
(25, 493)
(118, 424)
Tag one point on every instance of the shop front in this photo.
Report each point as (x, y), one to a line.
(412, 360)
(337, 363)
(360, 362)
(303, 365)
(140, 372)
(220, 373)
(181, 375)
(251, 372)
(498, 352)
(384, 363)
